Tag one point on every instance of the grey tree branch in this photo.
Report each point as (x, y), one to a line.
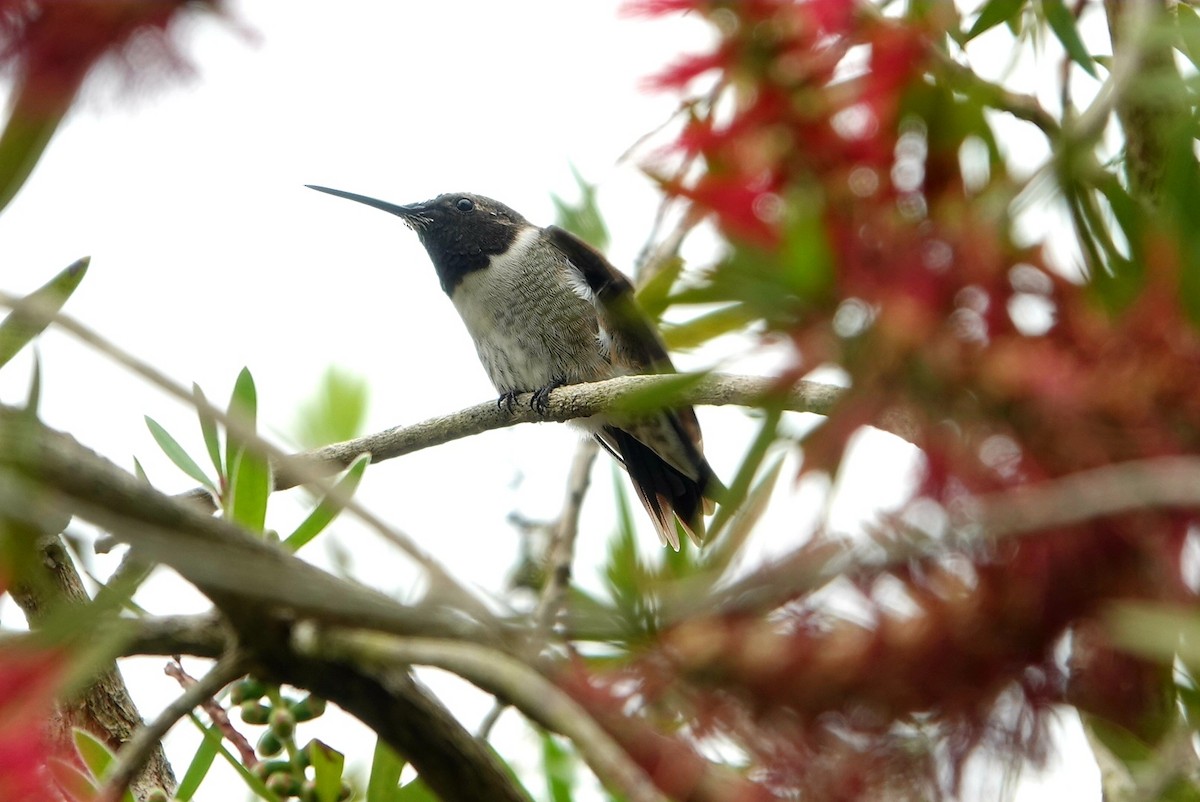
(262, 590)
(503, 676)
(565, 403)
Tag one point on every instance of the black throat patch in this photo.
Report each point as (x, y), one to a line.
(461, 232)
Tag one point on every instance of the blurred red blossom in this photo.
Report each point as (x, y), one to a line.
(829, 146)
(28, 681)
(52, 44)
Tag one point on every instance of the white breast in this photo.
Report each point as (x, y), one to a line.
(530, 328)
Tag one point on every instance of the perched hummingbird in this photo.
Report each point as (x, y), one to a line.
(546, 309)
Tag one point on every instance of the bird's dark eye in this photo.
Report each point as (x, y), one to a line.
(464, 204)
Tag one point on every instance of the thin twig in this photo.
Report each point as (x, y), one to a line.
(145, 740)
(561, 552)
(504, 676)
(568, 403)
(489, 721)
(216, 714)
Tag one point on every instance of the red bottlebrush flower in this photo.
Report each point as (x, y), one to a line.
(53, 45)
(28, 680)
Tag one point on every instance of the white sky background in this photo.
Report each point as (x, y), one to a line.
(209, 254)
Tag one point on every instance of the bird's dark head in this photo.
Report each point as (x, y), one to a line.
(460, 231)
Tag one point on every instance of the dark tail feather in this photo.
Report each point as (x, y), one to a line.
(664, 491)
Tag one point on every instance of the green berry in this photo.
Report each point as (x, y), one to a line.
(308, 708)
(283, 784)
(282, 722)
(269, 744)
(254, 713)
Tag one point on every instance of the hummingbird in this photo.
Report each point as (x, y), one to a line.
(545, 309)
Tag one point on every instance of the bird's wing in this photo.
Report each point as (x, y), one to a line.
(635, 346)
(663, 454)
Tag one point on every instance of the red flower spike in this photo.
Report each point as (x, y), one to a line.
(53, 45)
(28, 681)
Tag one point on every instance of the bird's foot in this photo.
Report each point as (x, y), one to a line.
(507, 400)
(540, 402)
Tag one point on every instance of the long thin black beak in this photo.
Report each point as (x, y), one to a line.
(407, 212)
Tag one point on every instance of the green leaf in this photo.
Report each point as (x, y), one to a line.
(582, 219)
(248, 471)
(95, 753)
(32, 121)
(416, 791)
(208, 428)
(993, 13)
(806, 258)
(720, 553)
(139, 471)
(201, 762)
(33, 312)
(663, 394)
(654, 290)
(243, 407)
(626, 576)
(1062, 22)
(71, 779)
(327, 764)
(708, 326)
(176, 454)
(1189, 32)
(335, 412)
(383, 784)
(330, 506)
(96, 756)
(34, 397)
(740, 486)
(559, 766)
(213, 735)
(249, 489)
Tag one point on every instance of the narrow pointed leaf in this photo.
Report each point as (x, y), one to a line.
(248, 471)
(329, 507)
(176, 454)
(336, 411)
(708, 326)
(1062, 22)
(416, 791)
(95, 753)
(249, 489)
(383, 783)
(32, 121)
(721, 553)
(1189, 32)
(243, 407)
(32, 315)
(993, 13)
(213, 735)
(201, 762)
(34, 397)
(652, 399)
(583, 219)
(72, 780)
(740, 486)
(208, 428)
(327, 766)
(96, 756)
(558, 764)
